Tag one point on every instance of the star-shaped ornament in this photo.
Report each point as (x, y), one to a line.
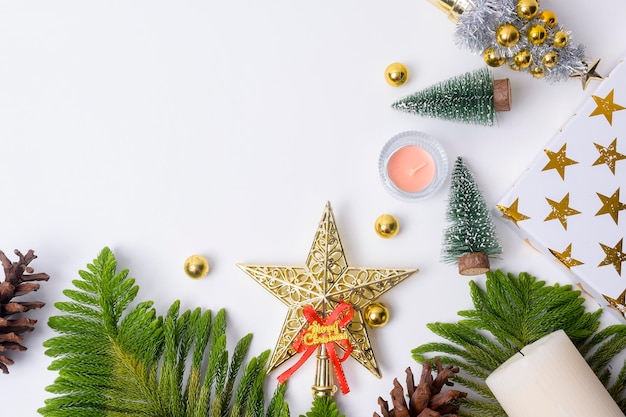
(618, 303)
(512, 212)
(614, 256)
(323, 282)
(606, 106)
(561, 210)
(609, 155)
(565, 257)
(589, 74)
(611, 205)
(558, 160)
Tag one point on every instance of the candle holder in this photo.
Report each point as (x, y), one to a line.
(412, 166)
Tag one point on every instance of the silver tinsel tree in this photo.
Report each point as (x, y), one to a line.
(471, 235)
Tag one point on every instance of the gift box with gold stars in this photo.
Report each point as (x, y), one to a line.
(568, 203)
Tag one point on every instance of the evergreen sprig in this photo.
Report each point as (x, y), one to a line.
(510, 313)
(323, 407)
(115, 362)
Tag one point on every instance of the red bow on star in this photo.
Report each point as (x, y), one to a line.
(328, 331)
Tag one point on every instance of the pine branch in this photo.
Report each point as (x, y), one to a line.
(323, 407)
(510, 313)
(116, 361)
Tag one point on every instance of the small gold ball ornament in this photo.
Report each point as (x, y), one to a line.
(523, 59)
(527, 9)
(550, 59)
(396, 74)
(196, 266)
(376, 314)
(387, 226)
(537, 71)
(548, 18)
(560, 39)
(493, 58)
(537, 34)
(507, 35)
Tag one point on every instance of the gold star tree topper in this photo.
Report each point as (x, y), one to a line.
(323, 282)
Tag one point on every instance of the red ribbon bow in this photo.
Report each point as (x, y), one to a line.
(328, 331)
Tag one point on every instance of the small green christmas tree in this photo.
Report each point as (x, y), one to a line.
(473, 97)
(471, 237)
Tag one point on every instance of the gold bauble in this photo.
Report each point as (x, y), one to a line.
(493, 58)
(376, 314)
(387, 226)
(537, 71)
(527, 9)
(196, 266)
(537, 34)
(523, 59)
(548, 18)
(507, 35)
(550, 59)
(560, 39)
(396, 74)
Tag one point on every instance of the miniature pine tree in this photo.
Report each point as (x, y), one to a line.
(116, 360)
(473, 97)
(470, 238)
(510, 312)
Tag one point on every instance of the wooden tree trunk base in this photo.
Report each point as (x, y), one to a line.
(475, 263)
(502, 95)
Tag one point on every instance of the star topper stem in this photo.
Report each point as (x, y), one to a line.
(323, 385)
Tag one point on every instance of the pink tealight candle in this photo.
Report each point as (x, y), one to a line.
(413, 165)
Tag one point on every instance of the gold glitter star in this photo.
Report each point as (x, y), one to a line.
(561, 210)
(589, 74)
(565, 257)
(611, 205)
(606, 107)
(512, 212)
(609, 156)
(558, 161)
(618, 303)
(324, 281)
(614, 256)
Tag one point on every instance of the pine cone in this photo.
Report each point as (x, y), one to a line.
(16, 282)
(427, 398)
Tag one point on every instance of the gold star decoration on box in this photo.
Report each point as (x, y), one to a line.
(611, 205)
(614, 256)
(512, 212)
(561, 210)
(606, 107)
(565, 257)
(322, 282)
(558, 160)
(589, 74)
(609, 155)
(618, 303)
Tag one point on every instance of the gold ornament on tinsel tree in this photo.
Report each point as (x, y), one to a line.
(518, 33)
(320, 288)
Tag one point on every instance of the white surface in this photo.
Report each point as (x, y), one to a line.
(163, 129)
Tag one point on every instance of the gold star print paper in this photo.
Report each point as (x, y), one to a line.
(609, 155)
(614, 256)
(561, 210)
(558, 160)
(323, 282)
(606, 107)
(618, 304)
(565, 257)
(512, 212)
(611, 205)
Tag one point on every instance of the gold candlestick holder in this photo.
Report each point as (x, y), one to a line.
(323, 386)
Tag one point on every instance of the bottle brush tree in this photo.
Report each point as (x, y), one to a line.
(114, 360)
(473, 97)
(470, 238)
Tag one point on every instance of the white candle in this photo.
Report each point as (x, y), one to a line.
(551, 378)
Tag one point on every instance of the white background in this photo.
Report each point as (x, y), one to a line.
(163, 129)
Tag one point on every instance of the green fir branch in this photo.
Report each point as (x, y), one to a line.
(113, 360)
(511, 312)
(323, 407)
